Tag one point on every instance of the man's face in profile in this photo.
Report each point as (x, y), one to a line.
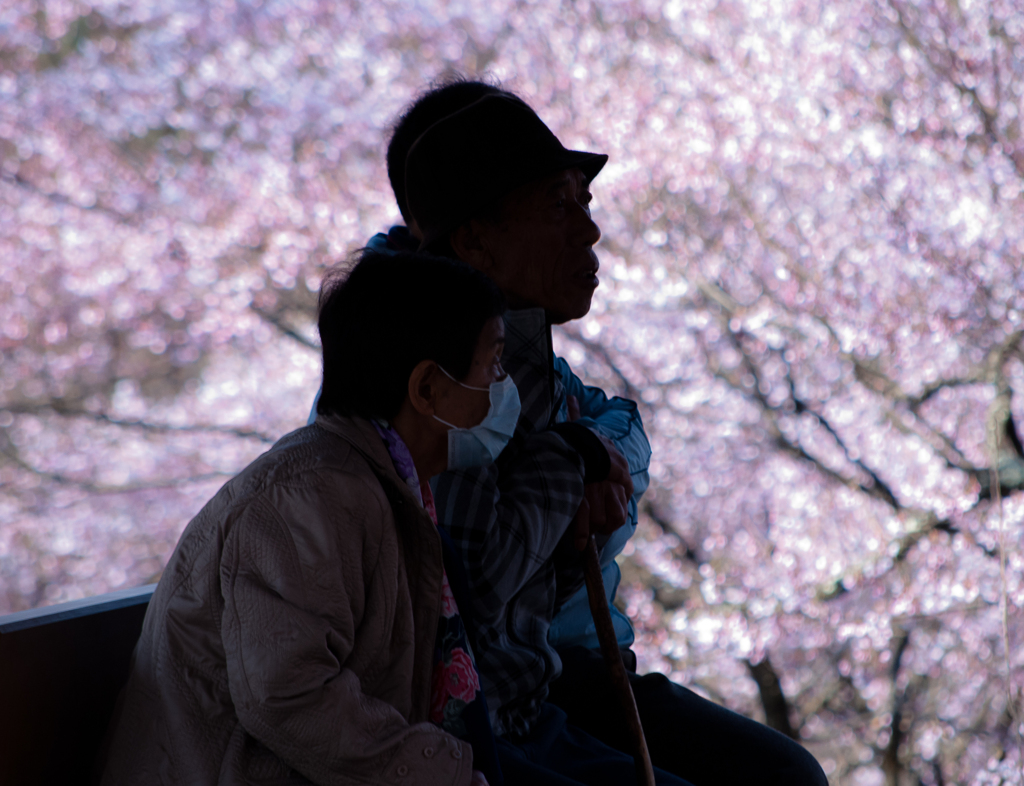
(542, 246)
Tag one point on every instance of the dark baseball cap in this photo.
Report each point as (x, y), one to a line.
(466, 162)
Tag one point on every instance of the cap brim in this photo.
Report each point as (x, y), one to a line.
(589, 163)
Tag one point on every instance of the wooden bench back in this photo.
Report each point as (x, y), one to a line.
(61, 669)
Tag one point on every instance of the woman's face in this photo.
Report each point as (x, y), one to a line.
(461, 406)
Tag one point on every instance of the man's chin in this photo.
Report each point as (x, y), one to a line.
(569, 312)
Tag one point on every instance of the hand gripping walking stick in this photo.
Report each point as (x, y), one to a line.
(612, 656)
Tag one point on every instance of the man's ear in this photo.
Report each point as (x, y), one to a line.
(469, 242)
(423, 387)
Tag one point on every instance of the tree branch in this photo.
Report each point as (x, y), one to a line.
(776, 707)
(277, 321)
(891, 764)
(101, 417)
(630, 390)
(102, 488)
(60, 199)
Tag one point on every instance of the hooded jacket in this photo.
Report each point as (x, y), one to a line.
(290, 639)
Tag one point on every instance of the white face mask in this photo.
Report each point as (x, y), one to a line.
(481, 444)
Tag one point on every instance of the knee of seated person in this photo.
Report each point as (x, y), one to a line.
(653, 683)
(804, 769)
(658, 681)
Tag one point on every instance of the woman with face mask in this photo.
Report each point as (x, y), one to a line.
(306, 628)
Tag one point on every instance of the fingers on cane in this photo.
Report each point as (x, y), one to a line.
(619, 470)
(581, 525)
(574, 408)
(597, 506)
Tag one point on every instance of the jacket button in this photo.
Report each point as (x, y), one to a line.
(428, 752)
(456, 754)
(403, 770)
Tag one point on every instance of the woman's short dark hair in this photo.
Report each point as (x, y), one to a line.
(379, 319)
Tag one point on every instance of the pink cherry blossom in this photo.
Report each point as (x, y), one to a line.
(813, 227)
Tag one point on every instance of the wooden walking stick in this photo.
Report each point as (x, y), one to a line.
(612, 656)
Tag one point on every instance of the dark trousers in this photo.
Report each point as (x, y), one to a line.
(556, 753)
(687, 735)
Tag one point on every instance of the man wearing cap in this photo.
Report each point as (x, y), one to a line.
(557, 753)
(495, 188)
(491, 185)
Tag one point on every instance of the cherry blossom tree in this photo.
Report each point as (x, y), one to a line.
(811, 281)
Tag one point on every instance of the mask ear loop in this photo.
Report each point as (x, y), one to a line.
(468, 387)
(453, 379)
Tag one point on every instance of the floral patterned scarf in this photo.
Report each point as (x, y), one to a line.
(455, 695)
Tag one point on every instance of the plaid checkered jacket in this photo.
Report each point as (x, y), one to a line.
(507, 521)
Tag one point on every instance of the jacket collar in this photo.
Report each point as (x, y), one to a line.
(363, 437)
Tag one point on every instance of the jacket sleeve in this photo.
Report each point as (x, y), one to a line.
(619, 420)
(507, 518)
(294, 602)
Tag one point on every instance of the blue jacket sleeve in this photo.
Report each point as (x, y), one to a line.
(618, 419)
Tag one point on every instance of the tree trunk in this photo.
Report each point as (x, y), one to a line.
(776, 708)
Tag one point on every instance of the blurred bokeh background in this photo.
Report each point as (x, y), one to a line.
(811, 281)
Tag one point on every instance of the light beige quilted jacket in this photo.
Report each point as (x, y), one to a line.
(291, 637)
